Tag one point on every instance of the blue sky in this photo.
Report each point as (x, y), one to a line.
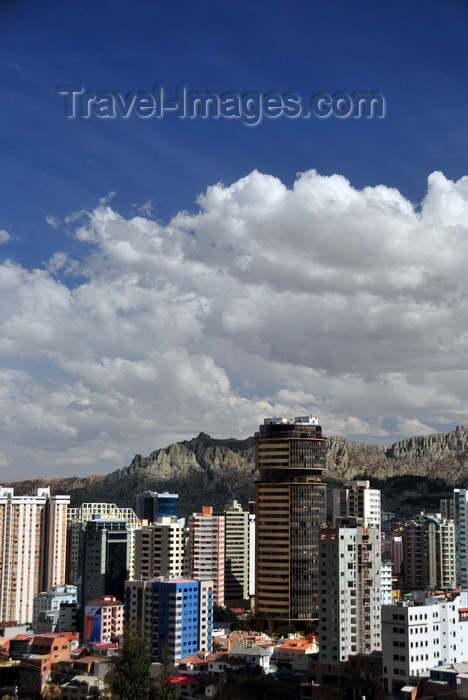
(167, 276)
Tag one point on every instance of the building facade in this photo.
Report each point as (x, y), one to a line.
(417, 636)
(160, 549)
(151, 505)
(290, 510)
(460, 508)
(77, 519)
(52, 600)
(236, 557)
(33, 543)
(350, 590)
(177, 614)
(207, 549)
(105, 559)
(429, 553)
(357, 499)
(103, 620)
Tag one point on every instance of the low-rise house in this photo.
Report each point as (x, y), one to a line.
(254, 655)
(80, 687)
(56, 645)
(222, 662)
(293, 648)
(20, 645)
(189, 687)
(194, 664)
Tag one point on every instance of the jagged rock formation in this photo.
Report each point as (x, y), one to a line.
(207, 471)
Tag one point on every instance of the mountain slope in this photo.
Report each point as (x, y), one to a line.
(207, 471)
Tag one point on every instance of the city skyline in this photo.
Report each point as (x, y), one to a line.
(166, 275)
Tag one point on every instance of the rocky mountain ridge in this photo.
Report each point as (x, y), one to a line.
(210, 471)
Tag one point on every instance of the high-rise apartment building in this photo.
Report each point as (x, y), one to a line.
(393, 546)
(460, 508)
(105, 559)
(236, 574)
(206, 550)
(32, 549)
(150, 505)
(357, 499)
(160, 549)
(77, 519)
(429, 553)
(440, 552)
(350, 590)
(290, 510)
(177, 614)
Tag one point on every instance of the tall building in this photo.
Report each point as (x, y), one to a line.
(290, 510)
(393, 545)
(350, 590)
(32, 549)
(77, 519)
(252, 555)
(460, 508)
(105, 559)
(177, 614)
(415, 563)
(429, 553)
(206, 550)
(357, 499)
(150, 505)
(440, 552)
(160, 549)
(236, 573)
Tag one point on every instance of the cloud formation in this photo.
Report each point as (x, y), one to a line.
(266, 300)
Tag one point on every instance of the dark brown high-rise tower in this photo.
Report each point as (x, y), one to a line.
(290, 510)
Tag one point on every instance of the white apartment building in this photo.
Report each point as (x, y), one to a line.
(251, 555)
(206, 550)
(358, 500)
(160, 549)
(33, 542)
(236, 557)
(350, 595)
(419, 636)
(386, 586)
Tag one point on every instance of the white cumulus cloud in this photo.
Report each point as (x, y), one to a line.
(266, 300)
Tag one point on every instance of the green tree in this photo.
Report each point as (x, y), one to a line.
(129, 676)
(287, 629)
(222, 614)
(163, 687)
